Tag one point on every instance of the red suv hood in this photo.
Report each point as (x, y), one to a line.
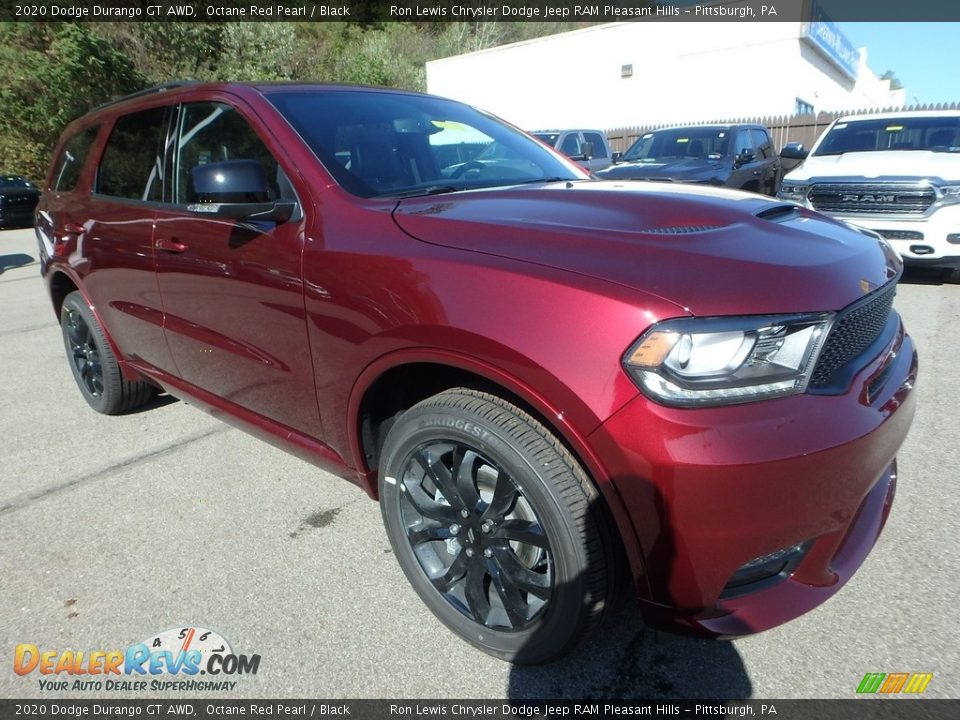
(714, 252)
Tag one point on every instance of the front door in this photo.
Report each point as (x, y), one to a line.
(233, 291)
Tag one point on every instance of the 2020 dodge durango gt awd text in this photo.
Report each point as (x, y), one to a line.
(549, 382)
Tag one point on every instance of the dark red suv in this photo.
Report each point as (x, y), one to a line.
(549, 382)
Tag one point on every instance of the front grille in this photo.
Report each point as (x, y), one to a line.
(853, 331)
(872, 198)
(901, 234)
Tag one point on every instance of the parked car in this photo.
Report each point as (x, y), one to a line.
(543, 378)
(734, 156)
(897, 174)
(18, 200)
(590, 149)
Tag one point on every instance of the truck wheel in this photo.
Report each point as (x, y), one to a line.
(495, 525)
(93, 364)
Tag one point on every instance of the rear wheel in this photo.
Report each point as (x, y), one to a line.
(495, 524)
(94, 366)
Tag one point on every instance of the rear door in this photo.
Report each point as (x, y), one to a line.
(233, 290)
(114, 237)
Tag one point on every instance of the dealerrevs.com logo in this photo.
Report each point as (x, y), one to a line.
(174, 659)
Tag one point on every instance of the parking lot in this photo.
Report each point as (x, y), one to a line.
(113, 529)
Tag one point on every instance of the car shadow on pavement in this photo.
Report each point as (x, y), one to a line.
(161, 399)
(913, 275)
(15, 260)
(625, 659)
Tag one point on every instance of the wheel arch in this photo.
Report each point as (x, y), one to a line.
(61, 283)
(400, 380)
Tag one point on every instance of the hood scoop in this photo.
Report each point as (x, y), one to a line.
(778, 213)
(681, 229)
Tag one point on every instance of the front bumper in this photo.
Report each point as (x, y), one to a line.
(929, 240)
(708, 490)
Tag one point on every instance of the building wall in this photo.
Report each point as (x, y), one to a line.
(682, 72)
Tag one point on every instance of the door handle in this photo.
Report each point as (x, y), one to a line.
(173, 246)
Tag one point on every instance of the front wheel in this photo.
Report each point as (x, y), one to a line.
(94, 366)
(495, 525)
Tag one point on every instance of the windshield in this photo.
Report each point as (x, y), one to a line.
(700, 143)
(939, 134)
(14, 181)
(390, 144)
(548, 138)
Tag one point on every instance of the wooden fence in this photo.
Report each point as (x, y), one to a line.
(783, 129)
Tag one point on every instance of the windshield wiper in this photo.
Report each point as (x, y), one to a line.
(422, 192)
(531, 181)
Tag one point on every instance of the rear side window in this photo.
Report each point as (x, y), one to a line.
(72, 158)
(132, 163)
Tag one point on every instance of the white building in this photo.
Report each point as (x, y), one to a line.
(645, 73)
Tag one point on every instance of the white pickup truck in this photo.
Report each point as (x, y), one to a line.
(897, 174)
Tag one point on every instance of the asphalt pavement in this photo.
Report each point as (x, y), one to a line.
(113, 529)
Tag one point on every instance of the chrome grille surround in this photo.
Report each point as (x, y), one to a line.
(872, 198)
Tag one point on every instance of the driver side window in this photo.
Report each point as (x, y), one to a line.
(571, 145)
(215, 132)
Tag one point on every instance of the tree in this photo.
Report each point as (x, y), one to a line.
(58, 71)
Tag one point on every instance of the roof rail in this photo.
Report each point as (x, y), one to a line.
(146, 91)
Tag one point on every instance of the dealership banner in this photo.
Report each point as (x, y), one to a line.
(476, 10)
(206, 709)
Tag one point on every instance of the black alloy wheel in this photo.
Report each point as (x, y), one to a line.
(83, 353)
(94, 366)
(475, 535)
(496, 525)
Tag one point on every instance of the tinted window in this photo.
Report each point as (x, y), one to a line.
(599, 146)
(214, 132)
(15, 181)
(940, 134)
(570, 144)
(389, 144)
(744, 141)
(548, 138)
(72, 158)
(761, 141)
(696, 142)
(132, 163)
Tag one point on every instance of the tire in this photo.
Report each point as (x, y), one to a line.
(94, 366)
(495, 525)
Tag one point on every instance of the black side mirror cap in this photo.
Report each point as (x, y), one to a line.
(236, 189)
(616, 157)
(794, 151)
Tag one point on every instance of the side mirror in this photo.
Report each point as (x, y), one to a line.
(794, 151)
(616, 157)
(236, 189)
(745, 156)
(586, 150)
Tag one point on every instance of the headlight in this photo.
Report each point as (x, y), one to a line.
(720, 361)
(950, 193)
(793, 191)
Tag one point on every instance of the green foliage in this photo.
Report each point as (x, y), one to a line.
(59, 71)
(55, 72)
